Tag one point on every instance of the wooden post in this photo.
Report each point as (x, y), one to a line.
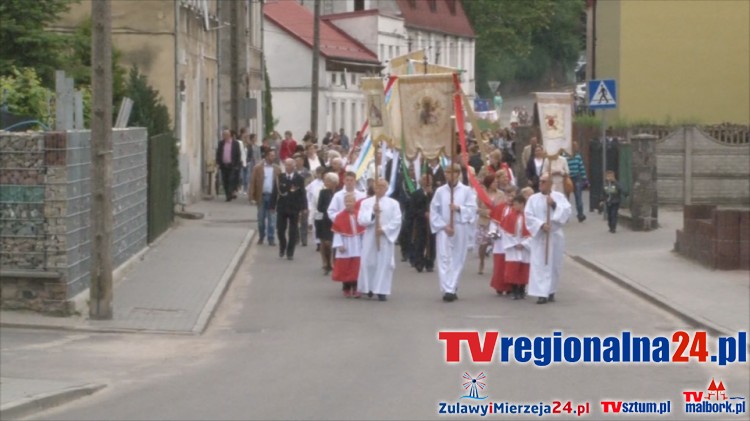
(453, 161)
(377, 200)
(100, 306)
(546, 240)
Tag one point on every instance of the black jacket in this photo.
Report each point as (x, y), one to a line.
(236, 155)
(289, 195)
(438, 178)
(613, 192)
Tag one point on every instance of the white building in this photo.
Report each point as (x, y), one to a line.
(288, 42)
(440, 27)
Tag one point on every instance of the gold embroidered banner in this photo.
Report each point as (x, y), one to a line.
(555, 121)
(400, 64)
(377, 115)
(426, 109)
(418, 67)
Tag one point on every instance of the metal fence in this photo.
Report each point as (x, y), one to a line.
(160, 184)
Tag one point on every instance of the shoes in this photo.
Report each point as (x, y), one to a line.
(326, 271)
(228, 199)
(612, 230)
(317, 247)
(271, 243)
(260, 240)
(581, 218)
(429, 269)
(290, 258)
(541, 300)
(281, 255)
(448, 297)
(382, 297)
(304, 244)
(418, 268)
(551, 298)
(355, 294)
(369, 294)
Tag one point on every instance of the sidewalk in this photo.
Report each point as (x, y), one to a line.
(713, 300)
(179, 281)
(23, 397)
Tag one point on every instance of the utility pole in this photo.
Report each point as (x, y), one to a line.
(100, 293)
(315, 76)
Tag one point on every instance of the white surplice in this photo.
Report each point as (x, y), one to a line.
(376, 266)
(352, 243)
(451, 251)
(313, 189)
(510, 241)
(543, 279)
(337, 202)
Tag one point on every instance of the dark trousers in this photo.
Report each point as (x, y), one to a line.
(612, 210)
(424, 239)
(405, 240)
(303, 227)
(229, 180)
(284, 220)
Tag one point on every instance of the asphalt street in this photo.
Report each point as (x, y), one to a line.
(286, 345)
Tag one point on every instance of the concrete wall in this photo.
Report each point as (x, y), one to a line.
(694, 168)
(46, 213)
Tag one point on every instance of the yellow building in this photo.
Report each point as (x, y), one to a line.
(674, 61)
(173, 44)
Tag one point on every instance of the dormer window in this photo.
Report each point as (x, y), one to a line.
(452, 6)
(433, 5)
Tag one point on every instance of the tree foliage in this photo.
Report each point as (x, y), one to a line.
(268, 122)
(148, 109)
(24, 95)
(25, 43)
(525, 43)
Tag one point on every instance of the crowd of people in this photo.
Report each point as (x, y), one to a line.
(435, 214)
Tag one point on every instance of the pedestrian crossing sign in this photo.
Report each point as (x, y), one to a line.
(602, 94)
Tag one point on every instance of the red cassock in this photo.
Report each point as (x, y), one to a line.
(346, 267)
(516, 272)
(498, 264)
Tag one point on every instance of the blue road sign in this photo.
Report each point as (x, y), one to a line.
(602, 94)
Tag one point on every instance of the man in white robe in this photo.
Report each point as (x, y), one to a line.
(544, 277)
(377, 265)
(452, 241)
(337, 203)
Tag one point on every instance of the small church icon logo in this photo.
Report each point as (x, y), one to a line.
(474, 385)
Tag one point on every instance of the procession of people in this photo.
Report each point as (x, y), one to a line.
(428, 209)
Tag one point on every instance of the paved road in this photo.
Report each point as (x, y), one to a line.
(286, 345)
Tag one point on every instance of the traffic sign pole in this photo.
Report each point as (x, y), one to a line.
(604, 154)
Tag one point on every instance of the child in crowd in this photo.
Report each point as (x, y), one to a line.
(515, 239)
(347, 241)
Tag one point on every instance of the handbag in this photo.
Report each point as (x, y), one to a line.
(568, 185)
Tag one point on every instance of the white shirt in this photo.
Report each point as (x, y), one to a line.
(267, 177)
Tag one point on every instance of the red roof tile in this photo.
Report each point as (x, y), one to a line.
(298, 21)
(419, 14)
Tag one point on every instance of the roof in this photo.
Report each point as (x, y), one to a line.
(368, 12)
(298, 22)
(448, 16)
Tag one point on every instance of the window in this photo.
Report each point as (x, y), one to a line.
(333, 79)
(398, 50)
(433, 5)
(390, 52)
(382, 52)
(354, 80)
(353, 120)
(452, 6)
(359, 5)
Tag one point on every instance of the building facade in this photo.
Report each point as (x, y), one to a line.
(674, 62)
(175, 44)
(288, 42)
(439, 27)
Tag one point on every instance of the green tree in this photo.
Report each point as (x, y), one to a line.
(525, 43)
(268, 121)
(25, 43)
(24, 95)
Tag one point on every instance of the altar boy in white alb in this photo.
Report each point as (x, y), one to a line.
(451, 241)
(545, 276)
(377, 265)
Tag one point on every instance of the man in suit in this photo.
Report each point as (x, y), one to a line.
(289, 199)
(438, 175)
(229, 161)
(419, 208)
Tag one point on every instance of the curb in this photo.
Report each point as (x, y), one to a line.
(661, 302)
(213, 301)
(34, 404)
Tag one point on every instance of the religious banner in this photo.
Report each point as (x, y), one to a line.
(556, 121)
(399, 65)
(419, 68)
(377, 115)
(426, 109)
